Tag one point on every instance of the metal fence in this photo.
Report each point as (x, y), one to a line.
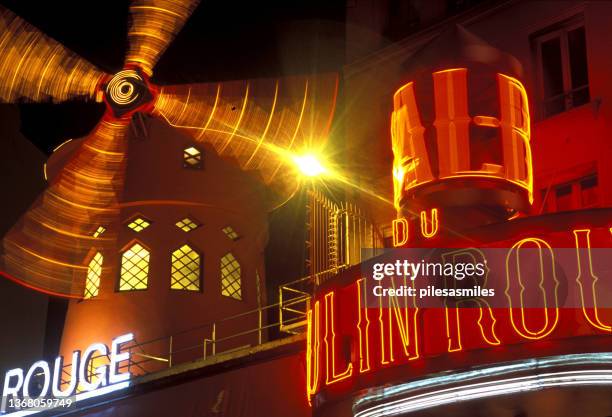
(337, 234)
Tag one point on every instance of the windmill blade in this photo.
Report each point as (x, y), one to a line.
(153, 25)
(261, 124)
(48, 248)
(35, 67)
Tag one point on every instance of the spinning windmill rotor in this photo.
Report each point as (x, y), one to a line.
(258, 124)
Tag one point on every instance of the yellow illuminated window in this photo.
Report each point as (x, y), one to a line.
(231, 281)
(192, 158)
(187, 224)
(99, 231)
(231, 233)
(186, 267)
(94, 272)
(138, 224)
(134, 268)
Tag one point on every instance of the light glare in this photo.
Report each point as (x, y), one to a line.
(309, 165)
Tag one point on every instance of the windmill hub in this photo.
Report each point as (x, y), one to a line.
(126, 91)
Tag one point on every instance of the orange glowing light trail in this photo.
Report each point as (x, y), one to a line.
(34, 67)
(260, 124)
(154, 24)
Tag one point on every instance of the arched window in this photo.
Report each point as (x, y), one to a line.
(186, 269)
(134, 268)
(231, 280)
(94, 272)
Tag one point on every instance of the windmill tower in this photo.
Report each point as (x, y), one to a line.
(156, 221)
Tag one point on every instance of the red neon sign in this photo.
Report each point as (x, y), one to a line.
(359, 339)
(354, 343)
(414, 165)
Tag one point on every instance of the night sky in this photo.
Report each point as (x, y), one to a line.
(222, 40)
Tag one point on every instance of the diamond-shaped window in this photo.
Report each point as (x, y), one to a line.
(138, 224)
(231, 233)
(192, 158)
(187, 224)
(186, 267)
(99, 231)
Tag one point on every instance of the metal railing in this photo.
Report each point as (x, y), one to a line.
(338, 232)
(229, 335)
(294, 300)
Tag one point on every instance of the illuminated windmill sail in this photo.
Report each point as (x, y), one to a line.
(259, 124)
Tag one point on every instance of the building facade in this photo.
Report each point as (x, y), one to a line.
(464, 124)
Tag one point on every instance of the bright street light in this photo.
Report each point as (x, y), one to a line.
(309, 165)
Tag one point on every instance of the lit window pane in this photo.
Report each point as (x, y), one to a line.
(231, 281)
(230, 232)
(99, 231)
(186, 267)
(192, 158)
(139, 224)
(187, 224)
(94, 272)
(134, 268)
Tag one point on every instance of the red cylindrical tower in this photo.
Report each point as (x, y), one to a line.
(461, 133)
(186, 250)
